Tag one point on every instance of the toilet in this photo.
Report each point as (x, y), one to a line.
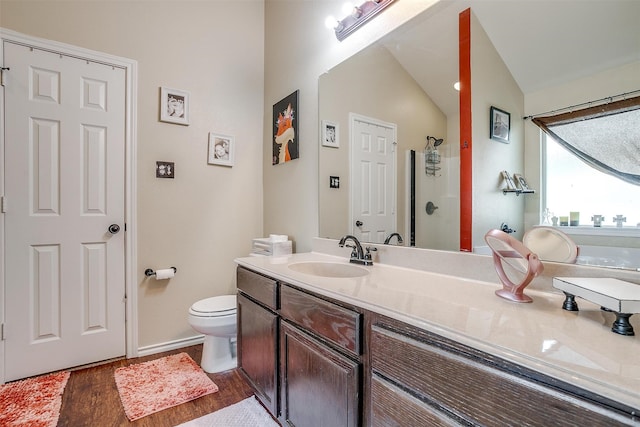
(216, 318)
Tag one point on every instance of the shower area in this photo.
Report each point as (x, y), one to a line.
(433, 184)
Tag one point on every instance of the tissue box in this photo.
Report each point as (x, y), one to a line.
(269, 246)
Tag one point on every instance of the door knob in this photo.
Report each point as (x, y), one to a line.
(114, 228)
(359, 224)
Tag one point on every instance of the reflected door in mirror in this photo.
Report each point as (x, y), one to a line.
(373, 178)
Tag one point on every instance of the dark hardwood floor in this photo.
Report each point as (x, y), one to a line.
(91, 397)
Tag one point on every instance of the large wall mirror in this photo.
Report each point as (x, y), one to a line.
(393, 95)
(391, 82)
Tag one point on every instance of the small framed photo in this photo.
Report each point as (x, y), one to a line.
(174, 106)
(165, 170)
(221, 149)
(330, 134)
(521, 183)
(511, 185)
(500, 125)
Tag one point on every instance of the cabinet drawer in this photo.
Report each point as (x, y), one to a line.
(260, 288)
(392, 406)
(320, 386)
(473, 391)
(336, 324)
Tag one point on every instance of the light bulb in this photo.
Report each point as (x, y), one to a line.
(347, 8)
(331, 22)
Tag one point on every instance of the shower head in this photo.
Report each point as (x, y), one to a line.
(436, 141)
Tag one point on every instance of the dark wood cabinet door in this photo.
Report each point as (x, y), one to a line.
(320, 387)
(258, 349)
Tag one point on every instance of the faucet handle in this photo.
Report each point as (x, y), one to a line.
(354, 250)
(369, 249)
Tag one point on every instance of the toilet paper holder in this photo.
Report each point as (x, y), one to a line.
(150, 272)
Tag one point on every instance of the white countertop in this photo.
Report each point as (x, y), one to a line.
(576, 347)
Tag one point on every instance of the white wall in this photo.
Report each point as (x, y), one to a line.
(298, 48)
(205, 217)
(493, 85)
(441, 229)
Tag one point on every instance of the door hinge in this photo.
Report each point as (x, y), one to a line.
(2, 332)
(3, 204)
(2, 70)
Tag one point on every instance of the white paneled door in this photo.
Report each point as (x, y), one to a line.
(373, 178)
(63, 211)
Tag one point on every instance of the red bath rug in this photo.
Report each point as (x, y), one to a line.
(149, 387)
(34, 402)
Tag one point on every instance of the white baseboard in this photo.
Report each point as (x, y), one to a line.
(170, 345)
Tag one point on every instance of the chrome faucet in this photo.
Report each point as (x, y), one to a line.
(358, 255)
(504, 227)
(390, 236)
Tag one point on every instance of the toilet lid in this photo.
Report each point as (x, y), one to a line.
(551, 244)
(218, 306)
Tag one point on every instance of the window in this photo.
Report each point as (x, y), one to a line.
(592, 163)
(574, 186)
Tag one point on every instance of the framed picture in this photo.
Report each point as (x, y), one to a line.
(511, 185)
(285, 129)
(500, 125)
(330, 134)
(521, 183)
(174, 106)
(221, 150)
(165, 170)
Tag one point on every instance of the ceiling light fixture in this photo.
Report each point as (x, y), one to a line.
(356, 17)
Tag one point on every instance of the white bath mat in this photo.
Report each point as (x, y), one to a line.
(242, 414)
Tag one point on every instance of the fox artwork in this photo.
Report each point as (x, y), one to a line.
(285, 143)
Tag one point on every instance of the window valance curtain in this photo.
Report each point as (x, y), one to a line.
(607, 137)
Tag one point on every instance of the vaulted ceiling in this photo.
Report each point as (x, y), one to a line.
(543, 42)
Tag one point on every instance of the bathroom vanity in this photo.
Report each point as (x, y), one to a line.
(325, 342)
(315, 373)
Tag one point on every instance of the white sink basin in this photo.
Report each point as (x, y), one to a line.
(329, 269)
